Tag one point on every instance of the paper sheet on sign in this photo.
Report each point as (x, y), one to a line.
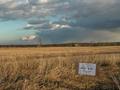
(87, 69)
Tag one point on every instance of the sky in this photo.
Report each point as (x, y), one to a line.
(59, 21)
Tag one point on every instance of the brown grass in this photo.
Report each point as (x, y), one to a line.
(55, 68)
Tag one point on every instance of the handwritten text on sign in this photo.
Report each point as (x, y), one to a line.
(87, 69)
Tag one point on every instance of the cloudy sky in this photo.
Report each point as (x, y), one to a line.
(59, 21)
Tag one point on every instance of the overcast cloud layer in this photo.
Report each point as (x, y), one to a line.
(59, 21)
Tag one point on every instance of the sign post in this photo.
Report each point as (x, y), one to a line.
(87, 69)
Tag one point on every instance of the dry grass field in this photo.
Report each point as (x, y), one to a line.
(56, 68)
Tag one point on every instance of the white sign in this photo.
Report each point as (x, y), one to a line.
(87, 69)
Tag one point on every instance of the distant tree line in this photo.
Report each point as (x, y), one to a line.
(67, 44)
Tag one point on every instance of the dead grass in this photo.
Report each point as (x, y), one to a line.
(56, 68)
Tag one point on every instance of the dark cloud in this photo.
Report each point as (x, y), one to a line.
(37, 21)
(82, 35)
(97, 17)
(97, 24)
(82, 13)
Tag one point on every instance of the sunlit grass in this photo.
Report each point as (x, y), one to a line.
(57, 68)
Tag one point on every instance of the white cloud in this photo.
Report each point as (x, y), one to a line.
(5, 1)
(58, 26)
(43, 1)
(65, 26)
(28, 38)
(29, 25)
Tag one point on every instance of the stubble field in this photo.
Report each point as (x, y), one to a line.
(56, 68)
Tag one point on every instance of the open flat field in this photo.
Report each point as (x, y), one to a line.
(56, 68)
